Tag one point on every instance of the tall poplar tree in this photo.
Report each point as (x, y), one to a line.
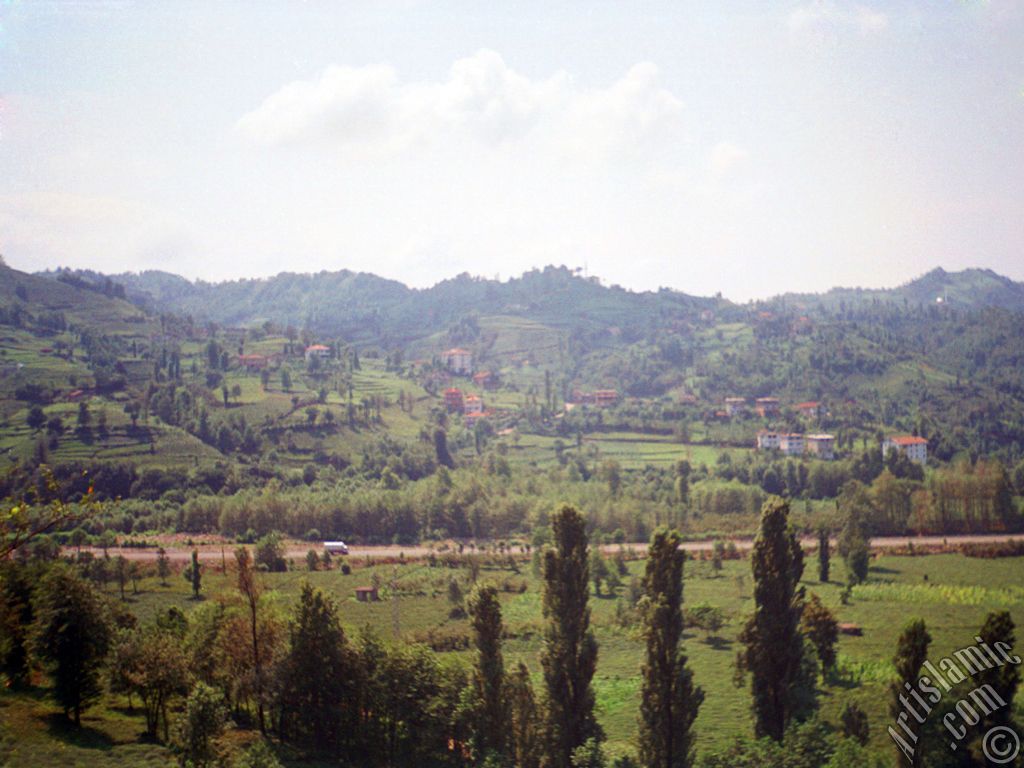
(669, 699)
(491, 712)
(773, 652)
(569, 655)
(911, 654)
(823, 555)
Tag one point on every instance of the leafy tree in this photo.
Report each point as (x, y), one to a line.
(569, 655)
(36, 418)
(270, 552)
(198, 727)
(250, 589)
(855, 724)
(524, 719)
(911, 654)
(669, 700)
(16, 616)
(773, 653)
(71, 636)
(491, 712)
(153, 666)
(1004, 679)
(196, 575)
(821, 628)
(318, 677)
(163, 565)
(312, 560)
(121, 572)
(858, 510)
(444, 458)
(286, 380)
(598, 570)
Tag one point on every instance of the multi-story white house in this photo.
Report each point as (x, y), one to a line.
(822, 446)
(791, 444)
(458, 360)
(767, 440)
(735, 405)
(914, 448)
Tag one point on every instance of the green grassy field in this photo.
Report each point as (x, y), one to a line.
(632, 450)
(951, 593)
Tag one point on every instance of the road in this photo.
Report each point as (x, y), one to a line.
(178, 551)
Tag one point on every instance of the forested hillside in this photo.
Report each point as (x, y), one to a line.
(317, 402)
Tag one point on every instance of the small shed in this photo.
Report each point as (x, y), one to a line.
(367, 594)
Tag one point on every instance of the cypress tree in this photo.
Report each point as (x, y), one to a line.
(524, 719)
(911, 654)
(823, 555)
(773, 652)
(1004, 679)
(569, 655)
(669, 699)
(196, 574)
(491, 711)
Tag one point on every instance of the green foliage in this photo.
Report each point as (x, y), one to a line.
(71, 636)
(319, 679)
(569, 655)
(669, 699)
(490, 708)
(773, 651)
(911, 654)
(819, 625)
(200, 724)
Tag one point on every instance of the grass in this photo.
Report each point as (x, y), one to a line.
(953, 602)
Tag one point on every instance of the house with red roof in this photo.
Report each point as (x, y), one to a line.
(913, 447)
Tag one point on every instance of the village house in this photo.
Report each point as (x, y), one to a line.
(253, 362)
(487, 380)
(767, 406)
(472, 404)
(734, 406)
(458, 360)
(791, 444)
(767, 440)
(453, 400)
(821, 446)
(605, 398)
(914, 448)
(317, 350)
(810, 409)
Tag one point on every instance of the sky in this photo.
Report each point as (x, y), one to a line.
(747, 148)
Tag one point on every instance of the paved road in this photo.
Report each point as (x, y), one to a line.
(178, 551)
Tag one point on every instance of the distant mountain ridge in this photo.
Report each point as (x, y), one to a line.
(969, 289)
(365, 307)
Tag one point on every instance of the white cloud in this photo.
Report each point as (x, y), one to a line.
(482, 100)
(725, 157)
(825, 17)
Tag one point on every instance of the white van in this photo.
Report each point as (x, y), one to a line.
(336, 547)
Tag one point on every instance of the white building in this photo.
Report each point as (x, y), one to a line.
(767, 441)
(822, 446)
(735, 405)
(914, 448)
(317, 350)
(458, 360)
(473, 404)
(791, 444)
